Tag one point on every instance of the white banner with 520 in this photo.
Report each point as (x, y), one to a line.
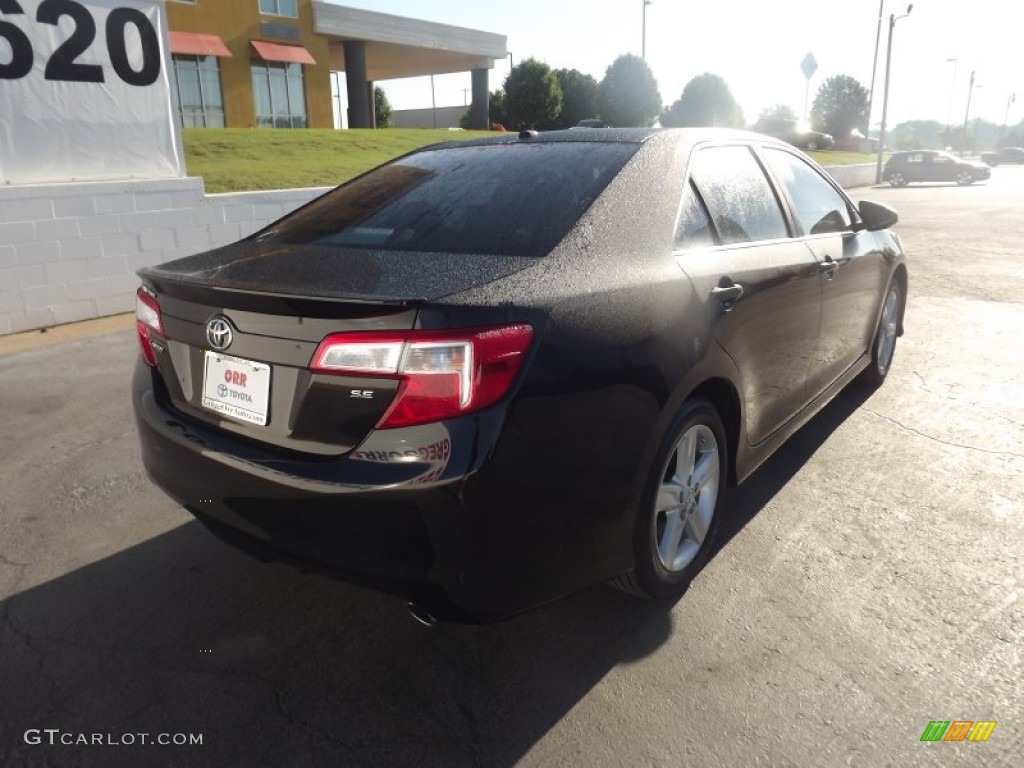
(85, 92)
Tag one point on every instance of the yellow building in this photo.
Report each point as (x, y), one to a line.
(271, 63)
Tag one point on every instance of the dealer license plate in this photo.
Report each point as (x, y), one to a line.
(237, 388)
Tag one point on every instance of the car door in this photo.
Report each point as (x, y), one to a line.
(761, 287)
(915, 167)
(942, 168)
(850, 262)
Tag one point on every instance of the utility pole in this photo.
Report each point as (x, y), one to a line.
(885, 96)
(967, 112)
(874, 67)
(1006, 115)
(643, 34)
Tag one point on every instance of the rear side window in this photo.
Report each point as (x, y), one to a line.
(818, 208)
(511, 199)
(693, 230)
(738, 196)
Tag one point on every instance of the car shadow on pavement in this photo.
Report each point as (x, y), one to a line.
(181, 634)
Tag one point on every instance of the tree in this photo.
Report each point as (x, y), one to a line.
(840, 105)
(381, 108)
(495, 110)
(532, 95)
(782, 113)
(706, 100)
(777, 120)
(628, 94)
(579, 98)
(918, 134)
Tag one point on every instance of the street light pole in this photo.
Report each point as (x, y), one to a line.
(874, 66)
(643, 35)
(949, 109)
(885, 96)
(1006, 115)
(967, 112)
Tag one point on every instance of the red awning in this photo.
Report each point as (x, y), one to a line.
(277, 52)
(193, 44)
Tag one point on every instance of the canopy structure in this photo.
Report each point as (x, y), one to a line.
(370, 46)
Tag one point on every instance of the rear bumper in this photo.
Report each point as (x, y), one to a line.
(412, 512)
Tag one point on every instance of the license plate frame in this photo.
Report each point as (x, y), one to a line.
(236, 388)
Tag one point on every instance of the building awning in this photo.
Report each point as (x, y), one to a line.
(191, 44)
(277, 52)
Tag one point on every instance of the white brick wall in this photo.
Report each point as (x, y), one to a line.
(69, 252)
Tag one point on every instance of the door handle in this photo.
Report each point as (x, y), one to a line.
(727, 295)
(828, 267)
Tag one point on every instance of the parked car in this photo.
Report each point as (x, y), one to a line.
(491, 373)
(795, 133)
(1004, 155)
(810, 140)
(902, 168)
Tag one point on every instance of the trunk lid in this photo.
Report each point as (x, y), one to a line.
(279, 301)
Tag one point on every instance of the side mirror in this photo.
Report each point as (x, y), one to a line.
(876, 216)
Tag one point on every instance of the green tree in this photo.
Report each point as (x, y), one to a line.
(840, 105)
(532, 95)
(495, 110)
(628, 94)
(579, 98)
(381, 107)
(706, 101)
(781, 112)
(777, 120)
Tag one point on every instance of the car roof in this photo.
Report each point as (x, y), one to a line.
(621, 135)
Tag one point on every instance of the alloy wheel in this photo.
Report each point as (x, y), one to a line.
(685, 504)
(885, 339)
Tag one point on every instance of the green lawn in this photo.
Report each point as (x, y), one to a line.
(237, 159)
(842, 158)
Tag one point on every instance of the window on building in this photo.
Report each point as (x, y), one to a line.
(200, 102)
(279, 94)
(280, 8)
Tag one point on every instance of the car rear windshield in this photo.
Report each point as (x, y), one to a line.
(507, 199)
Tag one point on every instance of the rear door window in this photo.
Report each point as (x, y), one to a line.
(501, 199)
(739, 197)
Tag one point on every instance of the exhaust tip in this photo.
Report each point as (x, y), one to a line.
(423, 617)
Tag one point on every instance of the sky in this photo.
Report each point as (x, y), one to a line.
(757, 46)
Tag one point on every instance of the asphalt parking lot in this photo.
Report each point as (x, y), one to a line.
(871, 582)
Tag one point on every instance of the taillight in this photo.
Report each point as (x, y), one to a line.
(147, 319)
(443, 373)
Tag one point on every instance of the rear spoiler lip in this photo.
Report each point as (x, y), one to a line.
(183, 287)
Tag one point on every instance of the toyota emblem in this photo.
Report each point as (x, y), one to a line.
(218, 333)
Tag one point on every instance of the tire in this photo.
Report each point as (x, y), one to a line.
(897, 180)
(883, 345)
(964, 178)
(677, 521)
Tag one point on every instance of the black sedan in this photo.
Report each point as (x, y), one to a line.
(1004, 155)
(902, 168)
(494, 372)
